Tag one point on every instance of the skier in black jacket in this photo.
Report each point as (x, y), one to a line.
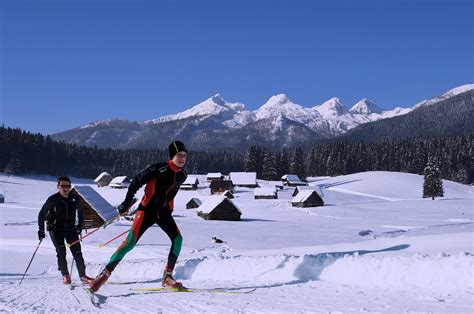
(162, 183)
(59, 211)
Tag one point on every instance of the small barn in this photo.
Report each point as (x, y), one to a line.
(96, 209)
(2, 198)
(292, 180)
(228, 194)
(265, 193)
(300, 188)
(191, 183)
(214, 176)
(219, 208)
(103, 179)
(193, 203)
(244, 179)
(120, 182)
(308, 198)
(220, 186)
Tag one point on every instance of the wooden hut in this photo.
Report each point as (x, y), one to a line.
(121, 182)
(308, 198)
(292, 180)
(219, 208)
(2, 198)
(214, 176)
(220, 186)
(244, 179)
(304, 188)
(103, 179)
(96, 209)
(265, 193)
(193, 203)
(191, 183)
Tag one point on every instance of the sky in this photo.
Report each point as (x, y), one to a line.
(67, 63)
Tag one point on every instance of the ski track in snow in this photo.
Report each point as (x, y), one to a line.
(426, 266)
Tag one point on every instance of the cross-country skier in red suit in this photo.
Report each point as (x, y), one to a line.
(162, 183)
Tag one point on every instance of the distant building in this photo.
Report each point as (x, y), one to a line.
(120, 182)
(2, 198)
(308, 198)
(219, 208)
(103, 179)
(304, 188)
(220, 186)
(265, 193)
(292, 180)
(193, 203)
(96, 210)
(244, 179)
(214, 176)
(191, 183)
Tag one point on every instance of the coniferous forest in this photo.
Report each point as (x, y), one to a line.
(27, 153)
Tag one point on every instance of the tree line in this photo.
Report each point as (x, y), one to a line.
(27, 153)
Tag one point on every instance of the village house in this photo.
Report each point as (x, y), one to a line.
(308, 198)
(103, 179)
(219, 208)
(244, 179)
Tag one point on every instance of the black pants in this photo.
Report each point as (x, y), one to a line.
(143, 221)
(58, 236)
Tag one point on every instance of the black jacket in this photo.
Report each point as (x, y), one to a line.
(60, 213)
(162, 183)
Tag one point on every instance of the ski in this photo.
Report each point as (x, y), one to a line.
(184, 289)
(93, 297)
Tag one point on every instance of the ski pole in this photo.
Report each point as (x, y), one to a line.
(68, 245)
(104, 244)
(37, 247)
(108, 222)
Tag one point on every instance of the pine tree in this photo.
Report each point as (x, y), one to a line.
(269, 171)
(297, 165)
(433, 184)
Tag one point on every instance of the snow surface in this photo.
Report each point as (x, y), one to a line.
(412, 254)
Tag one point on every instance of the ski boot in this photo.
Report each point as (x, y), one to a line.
(169, 282)
(67, 279)
(86, 279)
(95, 284)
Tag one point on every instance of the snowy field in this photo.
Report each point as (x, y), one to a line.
(375, 246)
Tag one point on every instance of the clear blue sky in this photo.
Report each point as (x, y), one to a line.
(67, 63)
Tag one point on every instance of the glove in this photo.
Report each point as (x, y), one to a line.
(78, 229)
(123, 208)
(41, 235)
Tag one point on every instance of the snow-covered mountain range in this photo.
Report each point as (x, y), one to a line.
(216, 122)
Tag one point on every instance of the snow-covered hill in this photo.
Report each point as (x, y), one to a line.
(375, 245)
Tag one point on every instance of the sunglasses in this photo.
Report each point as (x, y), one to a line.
(65, 185)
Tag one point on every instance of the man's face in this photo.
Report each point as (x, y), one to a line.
(180, 159)
(64, 187)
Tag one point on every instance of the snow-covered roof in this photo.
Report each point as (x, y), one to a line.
(212, 202)
(101, 206)
(307, 187)
(191, 180)
(103, 174)
(243, 178)
(214, 175)
(302, 196)
(264, 191)
(291, 177)
(120, 179)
